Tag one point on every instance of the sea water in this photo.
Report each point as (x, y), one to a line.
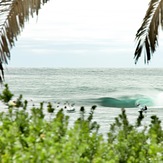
(109, 88)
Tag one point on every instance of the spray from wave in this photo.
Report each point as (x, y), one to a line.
(159, 99)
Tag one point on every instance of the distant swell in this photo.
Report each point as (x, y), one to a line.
(124, 102)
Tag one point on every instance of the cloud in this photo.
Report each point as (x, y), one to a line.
(81, 33)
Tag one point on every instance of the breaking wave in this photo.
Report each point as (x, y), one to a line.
(125, 101)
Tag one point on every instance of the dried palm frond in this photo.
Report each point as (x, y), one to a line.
(147, 34)
(13, 15)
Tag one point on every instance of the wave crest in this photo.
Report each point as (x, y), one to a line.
(125, 101)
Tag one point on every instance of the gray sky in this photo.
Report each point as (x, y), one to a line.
(83, 33)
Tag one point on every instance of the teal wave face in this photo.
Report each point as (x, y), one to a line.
(125, 102)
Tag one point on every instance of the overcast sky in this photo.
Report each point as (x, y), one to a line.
(83, 33)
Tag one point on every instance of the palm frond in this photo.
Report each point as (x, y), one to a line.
(13, 15)
(147, 34)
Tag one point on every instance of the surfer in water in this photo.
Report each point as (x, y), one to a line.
(143, 109)
(141, 115)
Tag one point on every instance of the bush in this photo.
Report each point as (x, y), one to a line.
(28, 137)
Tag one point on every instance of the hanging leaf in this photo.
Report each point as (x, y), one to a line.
(147, 34)
(13, 15)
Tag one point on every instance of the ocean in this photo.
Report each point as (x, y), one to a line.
(109, 88)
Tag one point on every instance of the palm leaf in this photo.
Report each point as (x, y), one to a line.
(13, 15)
(147, 34)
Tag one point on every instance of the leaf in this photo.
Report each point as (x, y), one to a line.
(147, 34)
(13, 15)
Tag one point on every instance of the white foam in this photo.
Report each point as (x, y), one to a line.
(159, 99)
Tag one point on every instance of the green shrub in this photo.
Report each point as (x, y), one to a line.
(30, 137)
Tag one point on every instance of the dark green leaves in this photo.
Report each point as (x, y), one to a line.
(147, 34)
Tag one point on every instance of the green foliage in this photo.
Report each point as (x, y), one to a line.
(6, 95)
(27, 134)
(50, 108)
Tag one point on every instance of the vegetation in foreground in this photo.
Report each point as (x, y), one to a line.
(26, 136)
